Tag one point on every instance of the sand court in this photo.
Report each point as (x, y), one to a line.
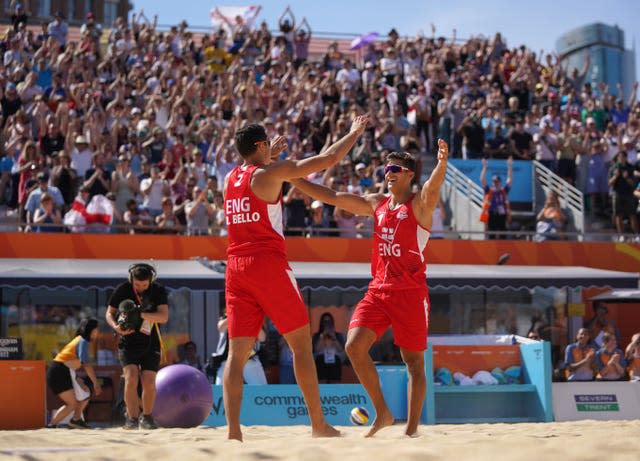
(580, 440)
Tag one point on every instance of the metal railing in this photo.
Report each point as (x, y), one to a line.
(464, 199)
(571, 199)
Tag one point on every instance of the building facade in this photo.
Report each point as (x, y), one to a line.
(610, 62)
(74, 11)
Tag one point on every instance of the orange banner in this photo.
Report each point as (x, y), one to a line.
(601, 255)
(22, 394)
(471, 359)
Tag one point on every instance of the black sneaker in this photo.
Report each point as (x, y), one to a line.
(130, 424)
(147, 422)
(78, 424)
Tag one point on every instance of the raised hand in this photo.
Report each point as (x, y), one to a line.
(359, 124)
(278, 145)
(443, 150)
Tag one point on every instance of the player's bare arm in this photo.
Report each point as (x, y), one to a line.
(272, 175)
(356, 204)
(425, 202)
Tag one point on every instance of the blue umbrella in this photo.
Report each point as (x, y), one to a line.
(363, 40)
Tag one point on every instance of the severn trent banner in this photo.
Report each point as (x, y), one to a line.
(283, 405)
(574, 401)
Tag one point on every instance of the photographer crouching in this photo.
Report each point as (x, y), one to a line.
(135, 309)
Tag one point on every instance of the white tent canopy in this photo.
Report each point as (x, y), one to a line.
(194, 274)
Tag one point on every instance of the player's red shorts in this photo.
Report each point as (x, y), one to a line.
(262, 285)
(406, 311)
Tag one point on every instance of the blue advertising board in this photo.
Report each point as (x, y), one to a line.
(521, 187)
(283, 405)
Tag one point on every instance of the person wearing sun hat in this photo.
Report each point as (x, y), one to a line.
(81, 156)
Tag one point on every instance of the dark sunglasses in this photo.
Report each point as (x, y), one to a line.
(393, 168)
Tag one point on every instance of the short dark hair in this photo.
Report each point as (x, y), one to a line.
(247, 137)
(407, 160)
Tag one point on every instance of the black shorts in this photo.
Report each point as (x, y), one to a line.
(623, 205)
(59, 378)
(145, 359)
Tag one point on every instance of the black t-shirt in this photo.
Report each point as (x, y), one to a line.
(97, 188)
(155, 296)
(522, 141)
(475, 136)
(51, 144)
(621, 185)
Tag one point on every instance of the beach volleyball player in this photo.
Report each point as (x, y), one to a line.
(398, 294)
(258, 279)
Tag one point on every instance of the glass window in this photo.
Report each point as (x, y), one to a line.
(110, 12)
(71, 9)
(47, 319)
(42, 8)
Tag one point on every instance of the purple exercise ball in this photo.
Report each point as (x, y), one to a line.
(184, 397)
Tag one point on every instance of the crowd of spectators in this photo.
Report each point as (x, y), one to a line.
(148, 120)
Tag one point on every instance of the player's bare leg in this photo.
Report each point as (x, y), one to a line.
(417, 388)
(239, 350)
(307, 377)
(359, 341)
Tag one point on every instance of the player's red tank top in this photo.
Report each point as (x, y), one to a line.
(399, 242)
(253, 225)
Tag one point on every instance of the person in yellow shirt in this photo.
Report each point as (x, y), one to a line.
(217, 59)
(61, 375)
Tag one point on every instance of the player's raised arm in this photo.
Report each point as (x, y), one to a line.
(431, 190)
(289, 169)
(356, 204)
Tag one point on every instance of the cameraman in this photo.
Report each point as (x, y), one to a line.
(139, 348)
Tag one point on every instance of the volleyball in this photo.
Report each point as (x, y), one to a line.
(359, 416)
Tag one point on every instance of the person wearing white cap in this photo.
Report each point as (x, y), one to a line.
(81, 156)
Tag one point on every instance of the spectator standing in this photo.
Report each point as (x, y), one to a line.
(199, 212)
(64, 177)
(622, 182)
(153, 189)
(600, 324)
(124, 183)
(97, 178)
(496, 210)
(58, 29)
(81, 157)
(546, 144)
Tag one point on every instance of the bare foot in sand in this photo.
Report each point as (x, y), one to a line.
(325, 431)
(234, 435)
(383, 420)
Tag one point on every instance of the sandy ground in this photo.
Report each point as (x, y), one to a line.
(583, 440)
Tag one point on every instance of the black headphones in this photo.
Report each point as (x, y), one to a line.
(146, 267)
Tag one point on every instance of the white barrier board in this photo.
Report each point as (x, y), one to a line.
(596, 400)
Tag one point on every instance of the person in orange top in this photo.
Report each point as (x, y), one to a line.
(578, 358)
(610, 361)
(632, 355)
(61, 375)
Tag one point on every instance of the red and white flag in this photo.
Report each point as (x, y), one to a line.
(222, 16)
